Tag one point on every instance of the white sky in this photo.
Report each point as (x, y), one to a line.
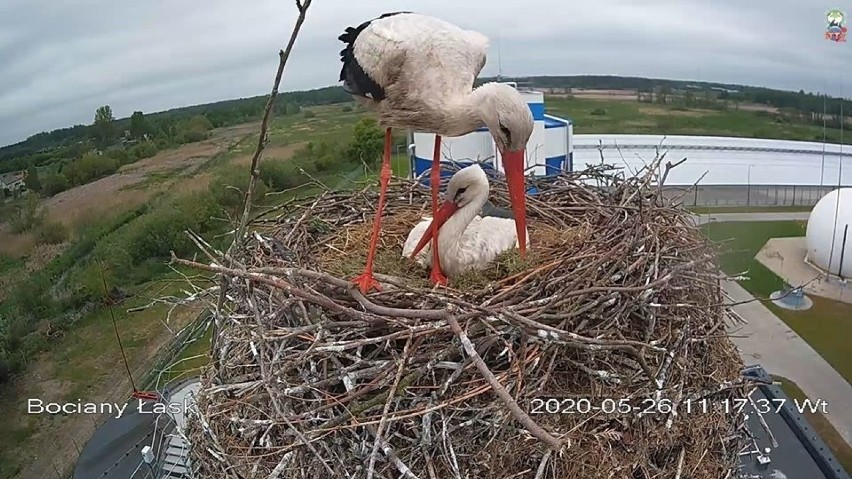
(59, 61)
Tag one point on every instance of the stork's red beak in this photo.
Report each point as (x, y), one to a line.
(444, 213)
(514, 166)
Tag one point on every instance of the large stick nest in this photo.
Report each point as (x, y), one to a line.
(617, 307)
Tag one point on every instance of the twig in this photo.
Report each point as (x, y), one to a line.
(516, 410)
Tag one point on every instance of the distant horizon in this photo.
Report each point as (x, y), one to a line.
(504, 77)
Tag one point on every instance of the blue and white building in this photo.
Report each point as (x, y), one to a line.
(549, 149)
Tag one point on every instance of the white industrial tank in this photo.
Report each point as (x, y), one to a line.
(548, 151)
(829, 238)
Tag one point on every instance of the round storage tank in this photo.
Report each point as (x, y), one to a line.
(830, 242)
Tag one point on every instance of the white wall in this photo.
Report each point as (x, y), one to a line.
(722, 167)
(556, 141)
(476, 146)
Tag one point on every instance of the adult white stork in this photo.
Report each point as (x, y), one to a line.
(417, 72)
(467, 240)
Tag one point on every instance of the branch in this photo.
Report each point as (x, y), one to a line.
(516, 410)
(237, 244)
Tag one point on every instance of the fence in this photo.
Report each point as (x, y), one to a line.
(749, 195)
(158, 376)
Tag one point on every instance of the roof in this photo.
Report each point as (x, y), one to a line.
(551, 121)
(799, 453)
(722, 160)
(9, 178)
(113, 452)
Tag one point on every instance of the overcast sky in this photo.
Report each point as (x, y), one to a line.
(59, 61)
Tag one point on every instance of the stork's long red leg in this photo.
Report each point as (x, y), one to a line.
(437, 276)
(366, 281)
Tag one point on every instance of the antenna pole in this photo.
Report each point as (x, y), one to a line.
(839, 179)
(499, 60)
(824, 125)
(115, 327)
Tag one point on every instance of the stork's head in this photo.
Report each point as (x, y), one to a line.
(468, 185)
(509, 119)
(507, 116)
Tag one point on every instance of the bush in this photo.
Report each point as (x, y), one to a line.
(89, 168)
(293, 109)
(118, 154)
(27, 216)
(598, 112)
(347, 109)
(367, 142)
(51, 232)
(143, 150)
(308, 114)
(228, 190)
(54, 183)
(281, 175)
(191, 136)
(194, 129)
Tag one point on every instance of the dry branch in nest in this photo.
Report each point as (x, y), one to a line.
(617, 314)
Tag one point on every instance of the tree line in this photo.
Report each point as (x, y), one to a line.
(807, 106)
(165, 127)
(134, 247)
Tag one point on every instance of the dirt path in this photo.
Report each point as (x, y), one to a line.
(117, 193)
(86, 362)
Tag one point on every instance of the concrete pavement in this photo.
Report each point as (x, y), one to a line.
(767, 340)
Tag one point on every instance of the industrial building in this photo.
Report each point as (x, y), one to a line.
(714, 160)
(549, 149)
(722, 161)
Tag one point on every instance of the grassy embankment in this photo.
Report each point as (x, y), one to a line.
(77, 355)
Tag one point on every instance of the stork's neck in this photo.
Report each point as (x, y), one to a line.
(451, 232)
(464, 112)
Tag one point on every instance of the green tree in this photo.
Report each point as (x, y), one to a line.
(31, 180)
(90, 167)
(292, 109)
(54, 183)
(139, 126)
(367, 142)
(194, 129)
(103, 129)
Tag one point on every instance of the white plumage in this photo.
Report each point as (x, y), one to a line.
(417, 72)
(466, 240)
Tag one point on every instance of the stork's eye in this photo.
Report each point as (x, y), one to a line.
(506, 133)
(460, 192)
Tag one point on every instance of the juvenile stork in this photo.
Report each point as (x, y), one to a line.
(417, 72)
(468, 240)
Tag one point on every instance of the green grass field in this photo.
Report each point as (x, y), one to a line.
(704, 210)
(841, 450)
(627, 117)
(823, 325)
(86, 364)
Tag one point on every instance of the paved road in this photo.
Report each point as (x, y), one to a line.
(766, 216)
(767, 340)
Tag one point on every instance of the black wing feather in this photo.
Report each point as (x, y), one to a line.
(488, 209)
(355, 80)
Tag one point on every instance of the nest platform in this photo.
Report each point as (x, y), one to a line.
(602, 355)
